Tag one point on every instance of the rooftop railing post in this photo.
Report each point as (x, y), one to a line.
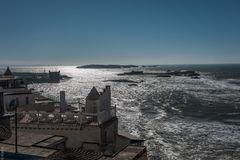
(98, 118)
(16, 137)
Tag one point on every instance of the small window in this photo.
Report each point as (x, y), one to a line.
(17, 101)
(94, 109)
(27, 100)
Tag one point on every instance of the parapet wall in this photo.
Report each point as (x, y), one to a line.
(75, 136)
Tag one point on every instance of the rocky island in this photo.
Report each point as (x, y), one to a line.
(168, 73)
(110, 66)
(122, 80)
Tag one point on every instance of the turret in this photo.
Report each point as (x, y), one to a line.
(99, 104)
(8, 73)
(93, 101)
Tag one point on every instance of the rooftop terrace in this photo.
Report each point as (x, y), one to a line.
(32, 144)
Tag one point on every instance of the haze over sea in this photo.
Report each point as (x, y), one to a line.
(179, 117)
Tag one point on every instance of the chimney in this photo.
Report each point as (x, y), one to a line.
(62, 102)
(108, 89)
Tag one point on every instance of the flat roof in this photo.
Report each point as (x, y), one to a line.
(130, 152)
(7, 79)
(43, 101)
(18, 93)
(34, 151)
(32, 144)
(30, 139)
(27, 138)
(50, 141)
(6, 115)
(128, 135)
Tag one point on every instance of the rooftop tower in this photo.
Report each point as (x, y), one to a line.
(8, 73)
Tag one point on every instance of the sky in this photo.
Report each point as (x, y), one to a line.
(77, 32)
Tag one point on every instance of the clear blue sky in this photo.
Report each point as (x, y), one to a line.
(72, 32)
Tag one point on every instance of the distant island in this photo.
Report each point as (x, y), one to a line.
(101, 66)
(168, 73)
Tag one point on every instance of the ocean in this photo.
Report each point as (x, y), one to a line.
(178, 117)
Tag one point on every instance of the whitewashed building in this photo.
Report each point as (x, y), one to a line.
(95, 127)
(15, 91)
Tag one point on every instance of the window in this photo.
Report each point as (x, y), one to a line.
(17, 101)
(94, 109)
(27, 100)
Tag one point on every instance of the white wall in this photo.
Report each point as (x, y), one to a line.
(92, 106)
(11, 90)
(21, 100)
(75, 136)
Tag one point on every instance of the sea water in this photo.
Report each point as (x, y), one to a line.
(179, 117)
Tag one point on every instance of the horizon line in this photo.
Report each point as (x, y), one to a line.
(2, 65)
